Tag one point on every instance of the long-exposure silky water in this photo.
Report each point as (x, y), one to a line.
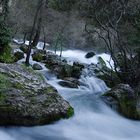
(93, 120)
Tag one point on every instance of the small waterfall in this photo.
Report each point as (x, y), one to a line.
(90, 82)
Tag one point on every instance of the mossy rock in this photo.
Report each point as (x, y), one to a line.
(37, 67)
(125, 98)
(38, 57)
(27, 100)
(24, 48)
(18, 56)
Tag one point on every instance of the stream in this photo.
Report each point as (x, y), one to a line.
(93, 120)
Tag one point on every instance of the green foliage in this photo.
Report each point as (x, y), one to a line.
(70, 112)
(62, 5)
(6, 56)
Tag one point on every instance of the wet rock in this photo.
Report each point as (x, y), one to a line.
(18, 56)
(90, 55)
(26, 99)
(24, 48)
(69, 83)
(37, 67)
(58, 65)
(72, 80)
(61, 68)
(123, 99)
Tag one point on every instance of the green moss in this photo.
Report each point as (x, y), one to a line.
(70, 112)
(126, 104)
(37, 57)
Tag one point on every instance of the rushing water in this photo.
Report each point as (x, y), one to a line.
(93, 120)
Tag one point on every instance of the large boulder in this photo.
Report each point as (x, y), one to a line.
(123, 99)
(26, 99)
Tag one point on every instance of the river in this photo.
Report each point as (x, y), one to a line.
(93, 120)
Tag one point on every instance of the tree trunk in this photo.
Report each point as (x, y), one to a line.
(40, 4)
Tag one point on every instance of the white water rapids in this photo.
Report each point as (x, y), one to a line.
(93, 120)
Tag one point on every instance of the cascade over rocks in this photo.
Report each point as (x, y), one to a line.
(58, 65)
(26, 99)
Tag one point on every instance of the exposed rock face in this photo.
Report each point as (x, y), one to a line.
(26, 99)
(123, 99)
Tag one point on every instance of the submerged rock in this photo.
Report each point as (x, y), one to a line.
(90, 54)
(26, 99)
(123, 99)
